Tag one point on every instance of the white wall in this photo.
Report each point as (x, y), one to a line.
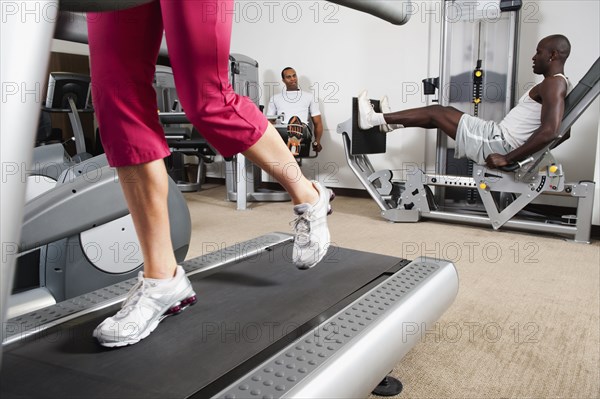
(596, 215)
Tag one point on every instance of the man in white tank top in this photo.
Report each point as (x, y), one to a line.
(530, 126)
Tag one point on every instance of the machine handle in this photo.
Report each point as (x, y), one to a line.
(511, 167)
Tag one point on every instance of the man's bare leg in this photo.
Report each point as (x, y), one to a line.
(430, 117)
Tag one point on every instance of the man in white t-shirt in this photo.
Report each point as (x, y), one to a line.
(295, 103)
(530, 126)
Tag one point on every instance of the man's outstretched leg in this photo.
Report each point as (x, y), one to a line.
(475, 138)
(430, 117)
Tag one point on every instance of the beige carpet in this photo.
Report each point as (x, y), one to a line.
(525, 323)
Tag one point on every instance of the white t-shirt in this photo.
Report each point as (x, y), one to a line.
(298, 103)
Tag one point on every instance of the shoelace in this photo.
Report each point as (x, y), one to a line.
(133, 297)
(302, 227)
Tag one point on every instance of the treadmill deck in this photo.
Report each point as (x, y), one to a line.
(248, 308)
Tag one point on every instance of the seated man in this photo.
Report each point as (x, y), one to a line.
(530, 126)
(297, 105)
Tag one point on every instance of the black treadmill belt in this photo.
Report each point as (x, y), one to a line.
(241, 310)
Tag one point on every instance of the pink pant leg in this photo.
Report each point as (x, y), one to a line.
(123, 51)
(198, 37)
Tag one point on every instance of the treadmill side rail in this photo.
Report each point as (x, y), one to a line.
(30, 324)
(350, 353)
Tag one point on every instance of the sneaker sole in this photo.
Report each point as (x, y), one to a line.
(368, 127)
(172, 311)
(331, 198)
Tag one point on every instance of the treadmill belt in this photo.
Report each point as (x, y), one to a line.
(241, 310)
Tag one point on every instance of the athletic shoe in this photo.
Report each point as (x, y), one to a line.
(147, 304)
(311, 234)
(384, 105)
(365, 112)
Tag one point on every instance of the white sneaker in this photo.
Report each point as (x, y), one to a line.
(384, 105)
(365, 112)
(312, 239)
(147, 304)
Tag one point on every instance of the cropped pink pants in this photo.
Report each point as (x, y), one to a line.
(124, 48)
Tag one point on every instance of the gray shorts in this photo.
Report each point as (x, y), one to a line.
(476, 139)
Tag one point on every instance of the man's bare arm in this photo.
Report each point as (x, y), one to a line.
(318, 126)
(552, 91)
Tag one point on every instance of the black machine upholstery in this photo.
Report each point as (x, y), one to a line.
(574, 103)
(99, 5)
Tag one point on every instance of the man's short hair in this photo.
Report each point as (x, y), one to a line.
(561, 44)
(283, 72)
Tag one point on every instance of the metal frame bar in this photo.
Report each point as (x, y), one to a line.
(20, 117)
(584, 191)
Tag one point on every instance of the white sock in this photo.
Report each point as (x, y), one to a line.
(377, 119)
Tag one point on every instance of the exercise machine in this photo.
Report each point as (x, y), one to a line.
(504, 192)
(297, 134)
(242, 178)
(67, 93)
(397, 12)
(478, 64)
(79, 236)
(477, 76)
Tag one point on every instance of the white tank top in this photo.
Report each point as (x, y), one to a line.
(524, 119)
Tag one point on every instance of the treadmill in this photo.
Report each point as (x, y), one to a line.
(261, 328)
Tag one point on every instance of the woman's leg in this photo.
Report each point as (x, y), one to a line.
(123, 50)
(146, 190)
(272, 155)
(125, 103)
(198, 36)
